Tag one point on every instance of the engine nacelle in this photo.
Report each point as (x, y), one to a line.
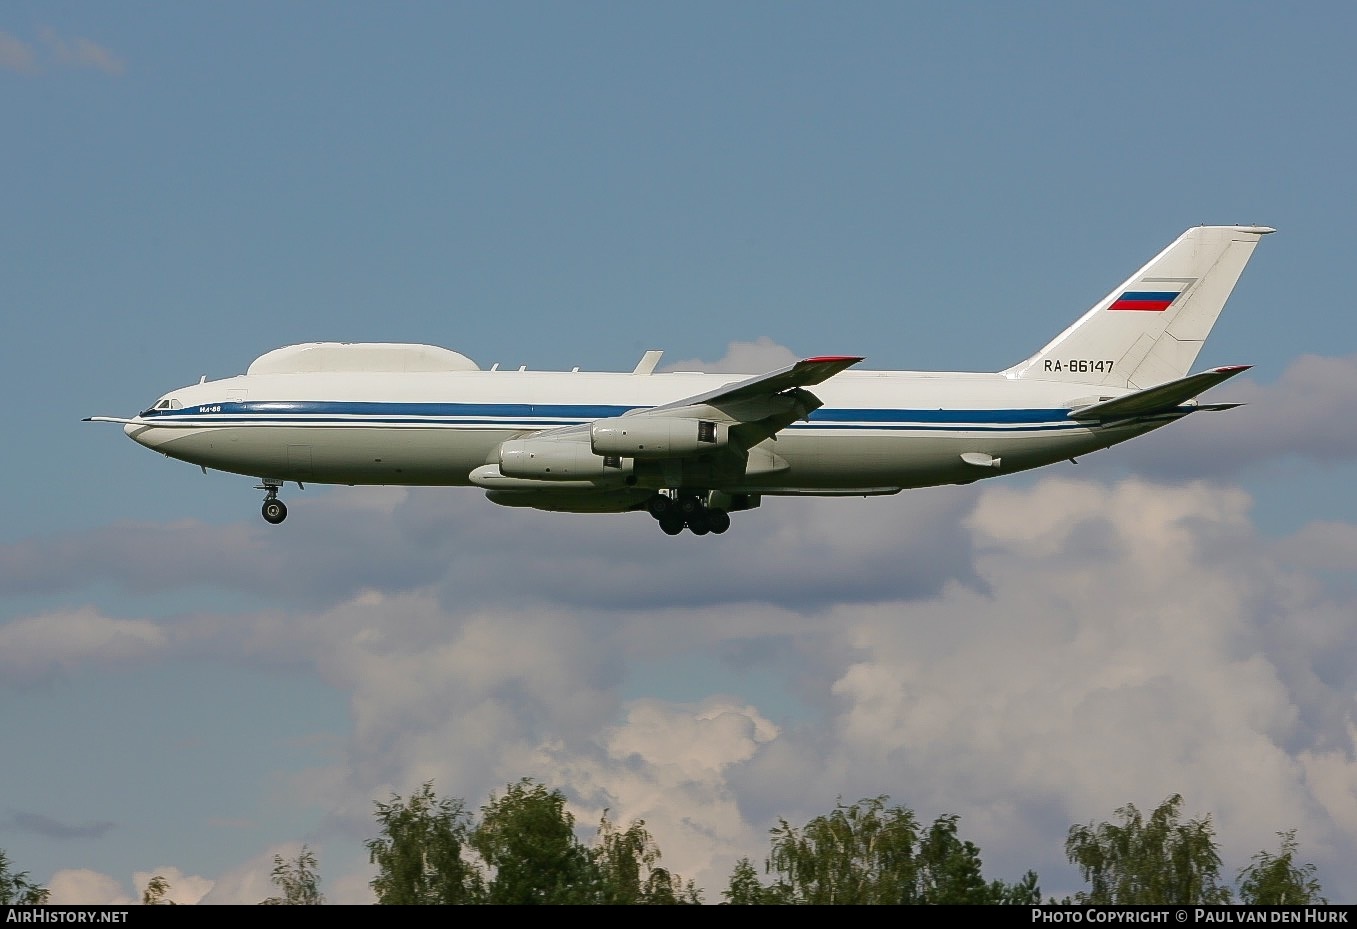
(656, 436)
(557, 460)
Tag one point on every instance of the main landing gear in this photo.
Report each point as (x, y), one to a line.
(685, 509)
(274, 511)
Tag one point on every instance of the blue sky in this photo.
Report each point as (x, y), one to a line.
(932, 186)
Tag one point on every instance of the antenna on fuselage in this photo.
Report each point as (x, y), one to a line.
(648, 362)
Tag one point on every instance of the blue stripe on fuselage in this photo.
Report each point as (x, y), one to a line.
(545, 416)
(377, 409)
(992, 417)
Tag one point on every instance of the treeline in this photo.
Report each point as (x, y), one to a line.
(523, 849)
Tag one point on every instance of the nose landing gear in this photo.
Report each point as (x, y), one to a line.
(274, 510)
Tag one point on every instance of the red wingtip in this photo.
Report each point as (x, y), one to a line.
(829, 359)
(1223, 368)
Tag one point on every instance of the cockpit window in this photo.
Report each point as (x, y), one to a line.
(167, 404)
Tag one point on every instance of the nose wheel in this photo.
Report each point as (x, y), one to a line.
(274, 510)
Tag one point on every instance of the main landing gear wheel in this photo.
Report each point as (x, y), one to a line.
(686, 510)
(671, 523)
(274, 511)
(718, 520)
(698, 521)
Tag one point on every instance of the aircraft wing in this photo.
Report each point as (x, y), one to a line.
(804, 373)
(710, 434)
(759, 407)
(754, 408)
(1161, 399)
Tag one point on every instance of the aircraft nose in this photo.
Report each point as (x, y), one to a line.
(137, 433)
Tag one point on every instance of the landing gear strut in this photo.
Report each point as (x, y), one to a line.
(273, 511)
(673, 513)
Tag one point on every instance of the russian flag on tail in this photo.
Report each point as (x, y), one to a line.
(1152, 301)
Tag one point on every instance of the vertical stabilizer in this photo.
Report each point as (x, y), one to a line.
(1149, 330)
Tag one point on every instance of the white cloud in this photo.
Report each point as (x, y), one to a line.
(808, 551)
(1321, 545)
(80, 52)
(60, 52)
(1332, 776)
(1027, 657)
(1293, 417)
(1112, 647)
(37, 647)
(349, 889)
(668, 765)
(247, 883)
(1112, 659)
(83, 887)
(15, 55)
(252, 881)
(763, 354)
(183, 889)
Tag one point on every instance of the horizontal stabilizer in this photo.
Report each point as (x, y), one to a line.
(1162, 398)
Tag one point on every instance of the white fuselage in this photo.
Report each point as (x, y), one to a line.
(692, 448)
(876, 431)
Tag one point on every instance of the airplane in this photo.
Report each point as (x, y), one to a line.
(691, 448)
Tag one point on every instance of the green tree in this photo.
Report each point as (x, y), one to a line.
(419, 852)
(949, 870)
(745, 888)
(1276, 880)
(1155, 861)
(872, 853)
(155, 892)
(527, 839)
(628, 873)
(1024, 892)
(16, 888)
(863, 853)
(297, 879)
